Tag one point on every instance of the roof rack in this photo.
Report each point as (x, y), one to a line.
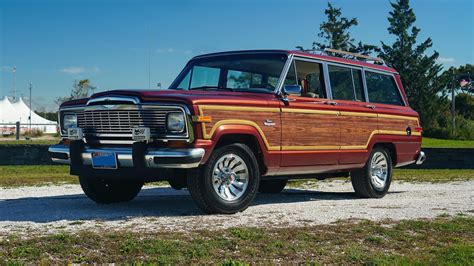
(348, 55)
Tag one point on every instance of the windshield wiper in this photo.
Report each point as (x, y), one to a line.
(206, 88)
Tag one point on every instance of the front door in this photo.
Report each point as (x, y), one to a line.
(310, 122)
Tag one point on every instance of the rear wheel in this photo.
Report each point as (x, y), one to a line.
(228, 182)
(373, 181)
(103, 190)
(272, 186)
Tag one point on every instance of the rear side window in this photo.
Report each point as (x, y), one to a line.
(346, 83)
(382, 89)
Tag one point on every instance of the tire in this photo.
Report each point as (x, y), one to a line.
(228, 182)
(106, 191)
(177, 183)
(369, 184)
(272, 186)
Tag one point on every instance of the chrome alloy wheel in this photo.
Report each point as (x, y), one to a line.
(230, 177)
(378, 170)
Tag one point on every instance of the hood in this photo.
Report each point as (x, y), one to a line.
(186, 97)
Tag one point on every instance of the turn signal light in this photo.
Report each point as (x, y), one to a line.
(202, 119)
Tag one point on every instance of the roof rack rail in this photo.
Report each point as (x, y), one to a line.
(347, 55)
(360, 57)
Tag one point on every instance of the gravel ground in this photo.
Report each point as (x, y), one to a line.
(52, 209)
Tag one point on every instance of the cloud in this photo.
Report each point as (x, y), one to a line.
(446, 60)
(75, 70)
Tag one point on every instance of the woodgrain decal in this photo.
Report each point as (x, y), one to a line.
(305, 129)
(309, 130)
(356, 129)
(251, 116)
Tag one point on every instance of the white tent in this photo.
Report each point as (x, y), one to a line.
(8, 114)
(19, 111)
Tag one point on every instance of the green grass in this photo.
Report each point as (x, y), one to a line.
(444, 240)
(40, 175)
(446, 143)
(35, 175)
(433, 175)
(25, 142)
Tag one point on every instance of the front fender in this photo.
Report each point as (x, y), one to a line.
(271, 157)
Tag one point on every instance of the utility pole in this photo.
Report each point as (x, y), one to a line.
(453, 103)
(14, 83)
(29, 118)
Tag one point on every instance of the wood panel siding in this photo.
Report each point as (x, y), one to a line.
(255, 117)
(309, 131)
(356, 129)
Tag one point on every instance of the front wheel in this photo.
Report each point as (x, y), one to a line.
(105, 191)
(228, 182)
(373, 181)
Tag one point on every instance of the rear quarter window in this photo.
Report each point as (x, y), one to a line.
(382, 88)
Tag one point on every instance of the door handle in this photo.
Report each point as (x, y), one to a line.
(331, 103)
(370, 106)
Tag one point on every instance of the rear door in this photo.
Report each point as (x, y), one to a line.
(358, 119)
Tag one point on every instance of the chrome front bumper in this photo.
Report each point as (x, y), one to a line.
(154, 158)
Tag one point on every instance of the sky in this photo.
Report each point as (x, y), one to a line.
(137, 44)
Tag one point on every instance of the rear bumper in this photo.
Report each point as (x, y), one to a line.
(131, 157)
(421, 158)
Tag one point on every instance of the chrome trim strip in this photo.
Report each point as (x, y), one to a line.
(125, 158)
(364, 83)
(284, 73)
(327, 81)
(105, 99)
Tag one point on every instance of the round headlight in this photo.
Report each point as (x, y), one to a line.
(175, 122)
(69, 121)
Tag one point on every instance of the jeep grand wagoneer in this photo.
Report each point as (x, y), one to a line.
(235, 123)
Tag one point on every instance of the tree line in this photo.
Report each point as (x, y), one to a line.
(426, 84)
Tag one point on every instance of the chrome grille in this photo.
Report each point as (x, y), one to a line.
(107, 125)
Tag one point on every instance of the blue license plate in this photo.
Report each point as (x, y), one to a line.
(104, 160)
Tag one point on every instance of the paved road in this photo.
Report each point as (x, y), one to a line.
(55, 208)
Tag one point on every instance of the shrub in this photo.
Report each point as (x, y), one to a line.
(34, 133)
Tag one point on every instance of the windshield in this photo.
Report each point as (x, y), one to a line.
(248, 72)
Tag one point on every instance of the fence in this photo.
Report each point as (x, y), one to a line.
(17, 129)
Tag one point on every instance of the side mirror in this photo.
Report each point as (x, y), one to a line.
(291, 89)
